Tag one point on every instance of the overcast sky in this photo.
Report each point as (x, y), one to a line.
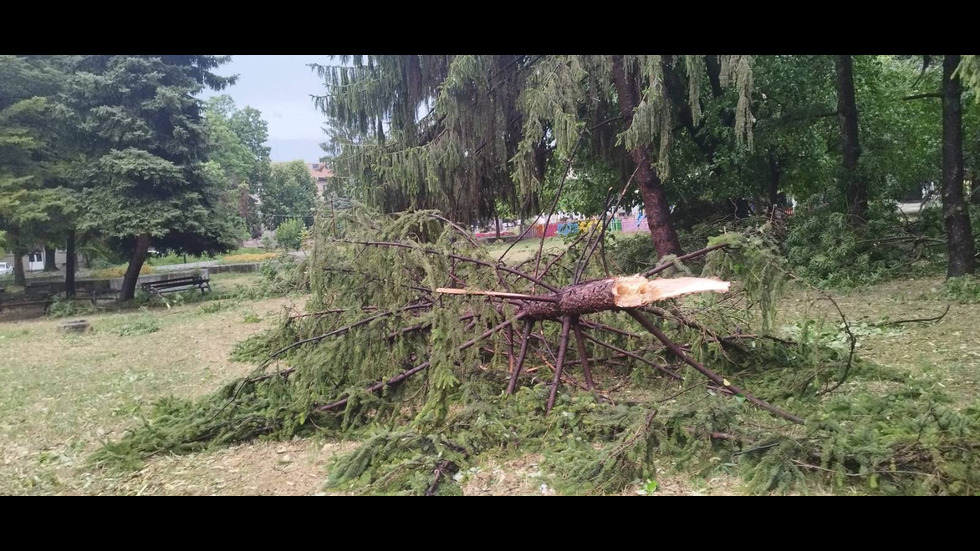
(280, 87)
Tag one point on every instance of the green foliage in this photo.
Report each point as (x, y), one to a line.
(397, 463)
(138, 327)
(633, 254)
(289, 234)
(68, 308)
(453, 413)
(237, 138)
(142, 149)
(289, 193)
(464, 134)
(34, 205)
(753, 260)
(965, 289)
(824, 250)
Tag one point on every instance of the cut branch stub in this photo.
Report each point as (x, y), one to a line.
(617, 293)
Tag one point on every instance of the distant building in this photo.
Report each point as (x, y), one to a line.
(322, 175)
(34, 259)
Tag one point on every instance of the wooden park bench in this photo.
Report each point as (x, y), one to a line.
(97, 295)
(178, 284)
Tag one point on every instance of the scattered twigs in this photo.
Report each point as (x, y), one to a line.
(559, 256)
(441, 468)
(421, 367)
(520, 357)
(566, 324)
(679, 352)
(606, 219)
(371, 277)
(850, 354)
(331, 311)
(583, 354)
(554, 205)
(611, 329)
(512, 271)
(458, 229)
(343, 330)
(497, 294)
(688, 256)
(635, 356)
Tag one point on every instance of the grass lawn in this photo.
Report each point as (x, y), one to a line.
(526, 249)
(61, 395)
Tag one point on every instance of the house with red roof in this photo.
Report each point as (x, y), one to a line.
(322, 175)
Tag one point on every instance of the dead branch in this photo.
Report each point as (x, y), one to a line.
(649, 326)
(915, 320)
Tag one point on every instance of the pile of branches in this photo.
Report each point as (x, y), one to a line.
(418, 340)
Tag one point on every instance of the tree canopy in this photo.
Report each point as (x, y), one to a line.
(146, 145)
(290, 192)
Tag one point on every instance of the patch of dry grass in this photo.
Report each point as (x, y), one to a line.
(60, 395)
(949, 348)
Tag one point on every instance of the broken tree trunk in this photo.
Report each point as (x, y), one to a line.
(613, 294)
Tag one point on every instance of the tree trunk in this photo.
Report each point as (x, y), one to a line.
(655, 205)
(497, 218)
(713, 65)
(773, 183)
(855, 189)
(49, 259)
(70, 265)
(20, 279)
(135, 264)
(742, 208)
(603, 295)
(959, 237)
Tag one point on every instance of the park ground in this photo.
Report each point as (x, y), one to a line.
(62, 395)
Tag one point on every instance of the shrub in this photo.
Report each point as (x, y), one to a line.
(65, 308)
(289, 234)
(824, 250)
(119, 271)
(248, 257)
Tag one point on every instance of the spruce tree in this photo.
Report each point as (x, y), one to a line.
(145, 145)
(464, 134)
(32, 205)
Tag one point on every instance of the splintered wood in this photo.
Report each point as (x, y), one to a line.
(602, 295)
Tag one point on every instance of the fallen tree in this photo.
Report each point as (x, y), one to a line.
(418, 340)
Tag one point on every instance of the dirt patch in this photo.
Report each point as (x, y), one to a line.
(517, 477)
(265, 468)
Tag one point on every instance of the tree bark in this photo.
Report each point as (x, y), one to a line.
(655, 205)
(959, 236)
(855, 189)
(20, 279)
(742, 208)
(774, 174)
(70, 264)
(612, 294)
(135, 264)
(713, 65)
(49, 259)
